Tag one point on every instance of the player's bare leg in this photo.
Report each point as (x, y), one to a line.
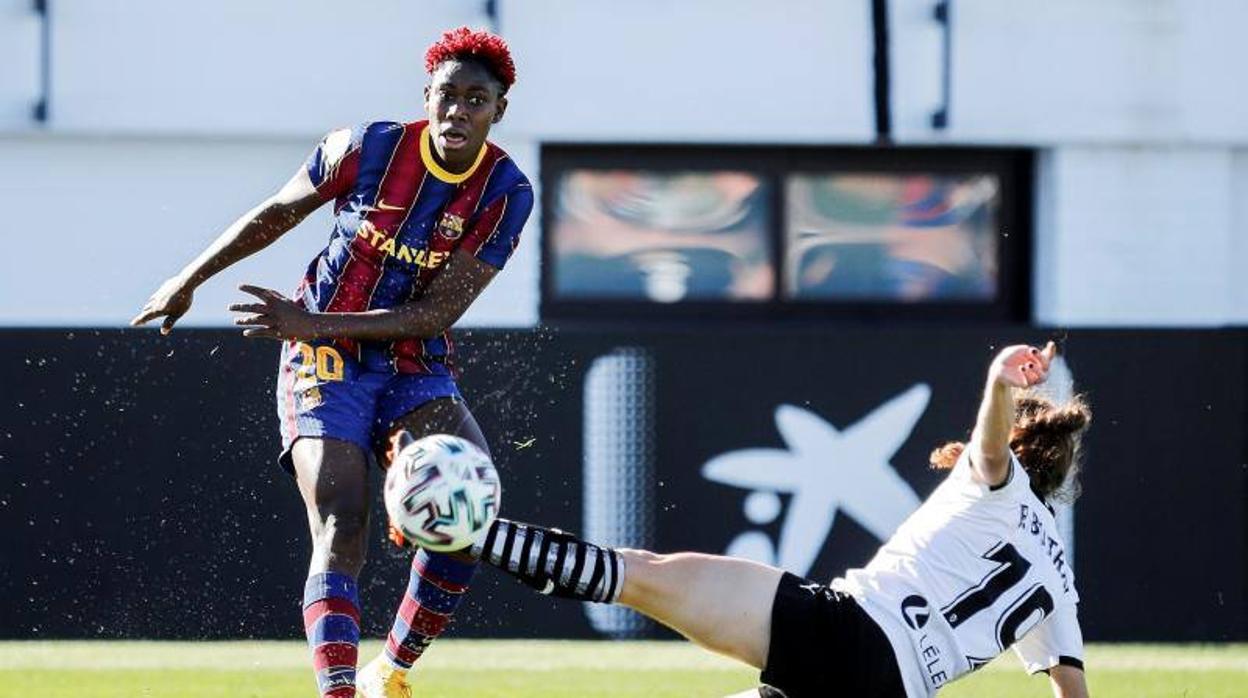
(332, 478)
(438, 581)
(441, 416)
(720, 603)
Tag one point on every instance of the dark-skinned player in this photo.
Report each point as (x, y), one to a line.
(425, 214)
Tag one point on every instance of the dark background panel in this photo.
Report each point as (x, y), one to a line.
(729, 403)
(1161, 527)
(139, 495)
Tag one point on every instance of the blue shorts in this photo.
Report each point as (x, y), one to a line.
(323, 391)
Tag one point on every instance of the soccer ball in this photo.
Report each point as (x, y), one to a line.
(442, 492)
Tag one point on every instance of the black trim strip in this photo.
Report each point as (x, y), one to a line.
(600, 568)
(490, 538)
(1008, 478)
(41, 112)
(883, 77)
(613, 556)
(1070, 661)
(577, 567)
(1063, 660)
(940, 117)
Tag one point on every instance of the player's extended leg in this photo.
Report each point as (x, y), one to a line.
(721, 603)
(332, 478)
(438, 581)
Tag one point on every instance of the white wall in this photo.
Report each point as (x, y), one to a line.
(1137, 236)
(694, 70)
(1236, 262)
(1075, 71)
(201, 108)
(19, 56)
(97, 223)
(1139, 107)
(264, 67)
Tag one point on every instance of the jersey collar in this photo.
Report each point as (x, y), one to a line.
(431, 163)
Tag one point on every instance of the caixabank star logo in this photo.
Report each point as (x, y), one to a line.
(825, 470)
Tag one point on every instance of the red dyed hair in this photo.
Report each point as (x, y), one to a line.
(489, 49)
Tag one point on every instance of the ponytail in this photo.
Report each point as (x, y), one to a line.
(1047, 441)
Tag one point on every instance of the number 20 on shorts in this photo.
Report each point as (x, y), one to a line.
(323, 361)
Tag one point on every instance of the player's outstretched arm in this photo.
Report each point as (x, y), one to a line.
(252, 232)
(1068, 682)
(1018, 366)
(443, 303)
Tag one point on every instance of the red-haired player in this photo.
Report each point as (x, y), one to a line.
(426, 213)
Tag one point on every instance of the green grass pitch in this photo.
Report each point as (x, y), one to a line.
(529, 669)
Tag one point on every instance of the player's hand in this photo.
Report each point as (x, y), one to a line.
(171, 301)
(1022, 366)
(274, 317)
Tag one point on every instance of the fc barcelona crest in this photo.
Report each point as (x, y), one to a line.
(451, 227)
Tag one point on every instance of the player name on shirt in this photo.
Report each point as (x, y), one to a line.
(1029, 520)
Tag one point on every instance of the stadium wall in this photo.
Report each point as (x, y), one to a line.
(140, 497)
(168, 119)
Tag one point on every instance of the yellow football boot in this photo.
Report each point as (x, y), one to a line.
(381, 680)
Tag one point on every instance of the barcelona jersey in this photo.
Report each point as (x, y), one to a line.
(398, 218)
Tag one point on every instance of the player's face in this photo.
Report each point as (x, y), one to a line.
(463, 101)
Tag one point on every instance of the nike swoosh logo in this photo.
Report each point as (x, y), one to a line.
(383, 206)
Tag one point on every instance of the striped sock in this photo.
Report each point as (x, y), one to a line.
(434, 590)
(554, 562)
(331, 618)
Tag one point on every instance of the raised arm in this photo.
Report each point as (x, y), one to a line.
(327, 173)
(1018, 366)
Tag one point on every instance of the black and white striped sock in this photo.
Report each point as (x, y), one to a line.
(553, 562)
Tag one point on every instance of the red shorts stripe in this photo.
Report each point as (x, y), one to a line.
(292, 427)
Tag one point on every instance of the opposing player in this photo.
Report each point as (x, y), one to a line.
(978, 568)
(426, 213)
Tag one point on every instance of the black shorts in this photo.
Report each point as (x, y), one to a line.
(823, 644)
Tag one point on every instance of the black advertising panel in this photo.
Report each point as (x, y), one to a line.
(141, 498)
(653, 233)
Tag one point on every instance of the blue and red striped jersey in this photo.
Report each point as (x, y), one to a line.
(398, 218)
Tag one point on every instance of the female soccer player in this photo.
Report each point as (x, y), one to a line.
(978, 568)
(426, 213)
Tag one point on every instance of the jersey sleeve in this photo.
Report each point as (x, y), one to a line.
(1057, 640)
(332, 167)
(496, 231)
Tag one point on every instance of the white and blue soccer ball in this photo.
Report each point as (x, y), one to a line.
(442, 492)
